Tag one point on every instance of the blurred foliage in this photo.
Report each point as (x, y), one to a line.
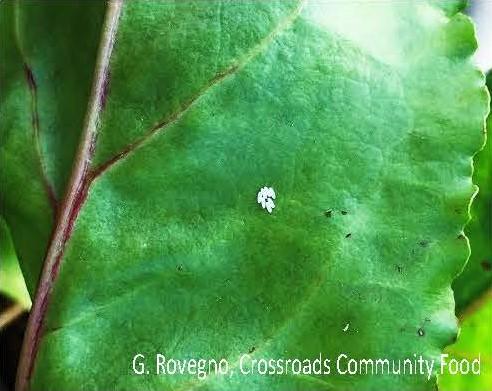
(472, 285)
(12, 282)
(475, 338)
(477, 275)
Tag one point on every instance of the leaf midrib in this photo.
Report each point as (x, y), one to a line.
(75, 195)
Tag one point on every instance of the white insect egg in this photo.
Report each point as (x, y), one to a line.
(265, 198)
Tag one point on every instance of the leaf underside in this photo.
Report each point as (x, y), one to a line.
(369, 111)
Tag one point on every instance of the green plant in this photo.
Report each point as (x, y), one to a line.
(364, 118)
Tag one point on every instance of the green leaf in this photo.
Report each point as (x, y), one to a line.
(351, 111)
(474, 340)
(11, 280)
(45, 87)
(477, 275)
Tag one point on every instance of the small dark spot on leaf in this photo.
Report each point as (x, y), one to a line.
(179, 268)
(399, 268)
(344, 212)
(348, 235)
(251, 349)
(421, 332)
(424, 243)
(461, 236)
(328, 212)
(427, 320)
(486, 265)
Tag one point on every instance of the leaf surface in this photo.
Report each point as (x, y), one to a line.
(352, 112)
(45, 86)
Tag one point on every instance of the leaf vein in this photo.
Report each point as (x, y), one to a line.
(233, 69)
